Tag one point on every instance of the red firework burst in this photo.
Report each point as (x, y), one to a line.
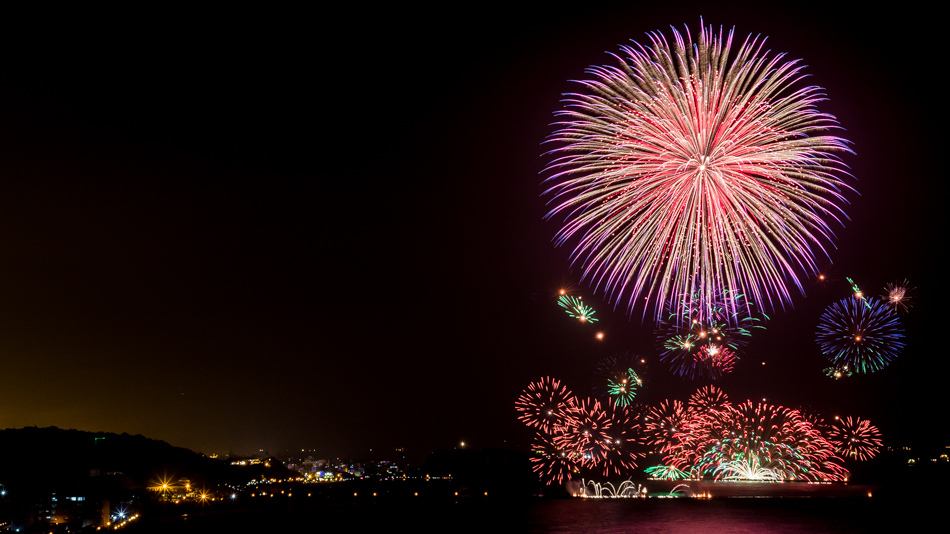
(583, 431)
(545, 404)
(856, 438)
(553, 464)
(623, 441)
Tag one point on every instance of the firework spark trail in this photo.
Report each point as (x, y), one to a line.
(619, 381)
(623, 389)
(837, 372)
(685, 171)
(576, 308)
(858, 294)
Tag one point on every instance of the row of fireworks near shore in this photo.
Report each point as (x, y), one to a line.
(707, 436)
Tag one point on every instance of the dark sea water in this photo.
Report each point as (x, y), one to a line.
(602, 516)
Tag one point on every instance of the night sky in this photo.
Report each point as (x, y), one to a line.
(322, 230)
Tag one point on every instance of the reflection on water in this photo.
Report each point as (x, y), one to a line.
(562, 516)
(693, 515)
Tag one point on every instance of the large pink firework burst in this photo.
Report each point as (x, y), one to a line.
(544, 404)
(693, 168)
(856, 438)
